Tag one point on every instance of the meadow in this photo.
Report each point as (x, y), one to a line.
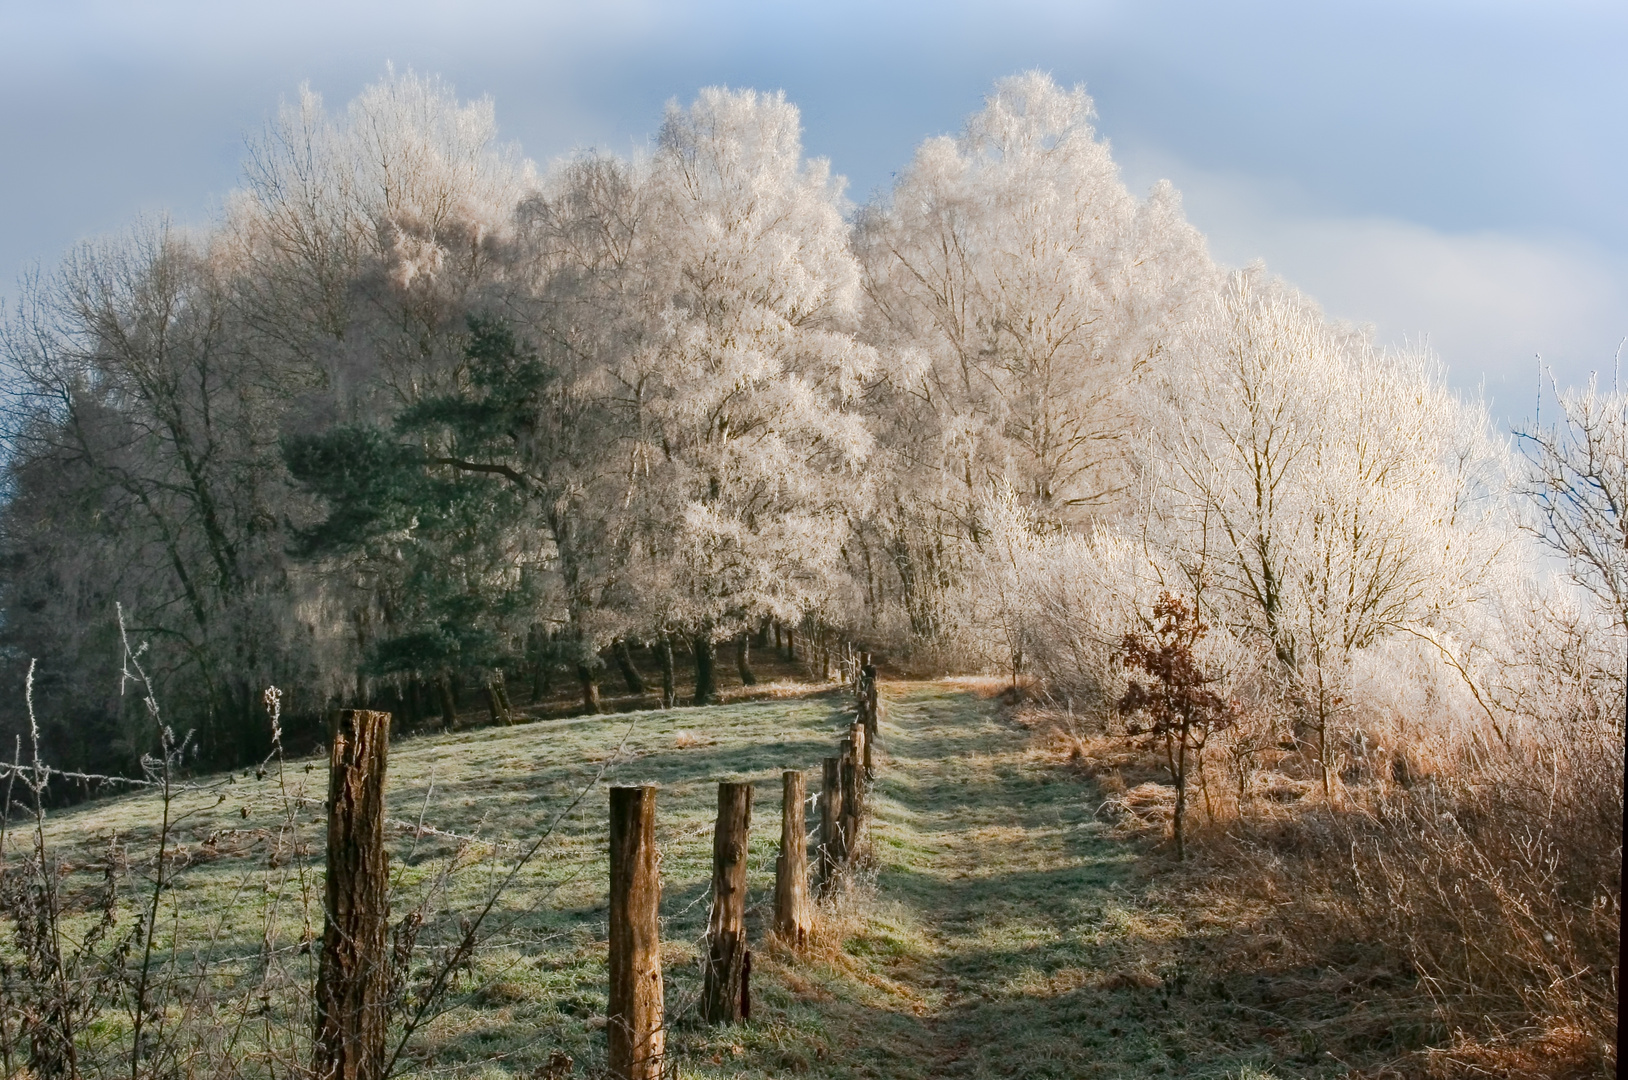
(999, 921)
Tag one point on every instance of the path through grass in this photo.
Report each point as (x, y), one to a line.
(1012, 930)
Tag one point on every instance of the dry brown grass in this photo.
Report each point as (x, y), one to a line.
(1462, 890)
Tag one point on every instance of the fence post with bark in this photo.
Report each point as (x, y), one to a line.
(869, 701)
(725, 990)
(848, 781)
(353, 972)
(634, 1018)
(792, 920)
(862, 761)
(832, 849)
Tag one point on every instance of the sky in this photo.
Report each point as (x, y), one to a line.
(1450, 173)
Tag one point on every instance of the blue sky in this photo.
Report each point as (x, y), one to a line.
(1447, 171)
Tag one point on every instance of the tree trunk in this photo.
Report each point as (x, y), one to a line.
(791, 644)
(743, 656)
(590, 688)
(1180, 770)
(540, 680)
(497, 701)
(792, 918)
(415, 701)
(831, 847)
(706, 662)
(760, 639)
(361, 617)
(726, 928)
(634, 1027)
(534, 649)
(542, 671)
(669, 696)
(1322, 744)
(449, 706)
(624, 661)
(353, 973)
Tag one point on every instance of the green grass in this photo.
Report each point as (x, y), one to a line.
(997, 929)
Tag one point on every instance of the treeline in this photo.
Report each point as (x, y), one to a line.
(412, 416)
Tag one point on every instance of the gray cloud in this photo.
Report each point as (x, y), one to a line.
(1443, 168)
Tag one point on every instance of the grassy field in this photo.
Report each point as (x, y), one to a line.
(997, 926)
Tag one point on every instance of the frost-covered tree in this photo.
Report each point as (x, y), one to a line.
(1018, 291)
(1023, 288)
(746, 374)
(1317, 494)
(365, 237)
(1576, 472)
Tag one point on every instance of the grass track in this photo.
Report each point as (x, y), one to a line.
(1000, 929)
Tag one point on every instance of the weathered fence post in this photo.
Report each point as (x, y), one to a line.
(831, 845)
(353, 973)
(861, 700)
(792, 921)
(726, 929)
(862, 757)
(637, 1038)
(871, 710)
(850, 799)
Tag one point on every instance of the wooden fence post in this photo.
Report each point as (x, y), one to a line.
(353, 972)
(726, 929)
(862, 757)
(635, 1023)
(871, 709)
(831, 846)
(850, 799)
(792, 921)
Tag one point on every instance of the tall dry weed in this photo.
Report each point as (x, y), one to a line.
(1488, 868)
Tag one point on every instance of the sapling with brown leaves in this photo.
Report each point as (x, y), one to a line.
(1180, 709)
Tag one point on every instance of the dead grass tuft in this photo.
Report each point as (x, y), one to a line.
(1558, 1053)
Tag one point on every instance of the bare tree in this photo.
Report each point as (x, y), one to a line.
(1577, 475)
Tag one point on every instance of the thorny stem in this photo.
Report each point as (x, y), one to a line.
(49, 888)
(150, 929)
(5, 819)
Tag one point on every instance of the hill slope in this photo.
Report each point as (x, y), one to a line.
(997, 929)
